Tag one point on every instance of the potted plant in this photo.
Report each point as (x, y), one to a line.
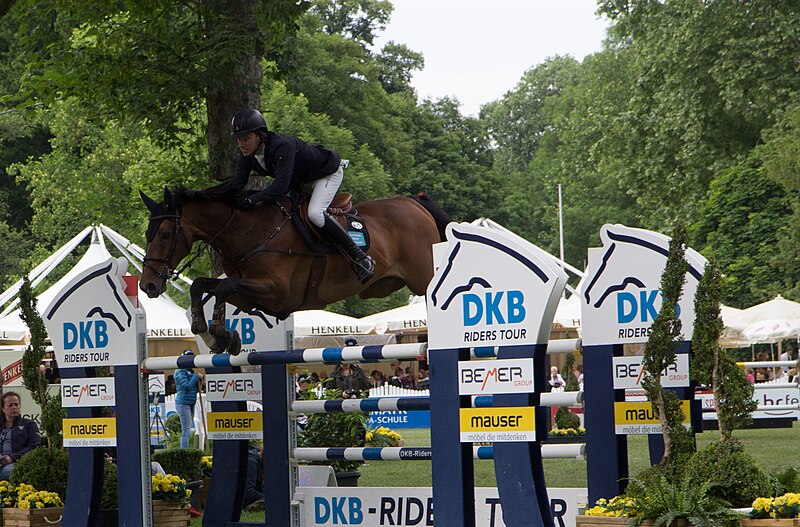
(33, 508)
(383, 437)
(657, 501)
(170, 501)
(344, 429)
(782, 511)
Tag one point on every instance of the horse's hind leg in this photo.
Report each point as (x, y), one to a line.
(229, 341)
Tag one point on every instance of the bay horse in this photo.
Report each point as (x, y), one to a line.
(270, 266)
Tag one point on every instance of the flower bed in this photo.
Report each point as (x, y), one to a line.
(782, 511)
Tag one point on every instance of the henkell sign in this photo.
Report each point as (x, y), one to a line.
(620, 295)
(91, 322)
(505, 294)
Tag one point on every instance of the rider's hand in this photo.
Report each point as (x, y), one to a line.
(244, 202)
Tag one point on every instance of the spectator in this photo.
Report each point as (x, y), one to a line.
(19, 436)
(377, 378)
(556, 381)
(786, 356)
(303, 385)
(750, 375)
(254, 485)
(423, 380)
(169, 385)
(350, 379)
(186, 383)
(579, 376)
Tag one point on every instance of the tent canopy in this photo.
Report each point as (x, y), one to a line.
(165, 319)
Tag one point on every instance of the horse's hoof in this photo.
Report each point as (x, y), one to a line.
(210, 341)
(200, 327)
(235, 344)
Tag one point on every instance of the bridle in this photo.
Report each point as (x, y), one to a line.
(168, 273)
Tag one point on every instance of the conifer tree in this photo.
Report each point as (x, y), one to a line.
(713, 366)
(33, 379)
(659, 352)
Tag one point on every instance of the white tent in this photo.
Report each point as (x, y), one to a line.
(771, 321)
(412, 317)
(317, 323)
(732, 332)
(165, 319)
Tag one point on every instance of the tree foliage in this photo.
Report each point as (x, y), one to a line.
(713, 366)
(659, 352)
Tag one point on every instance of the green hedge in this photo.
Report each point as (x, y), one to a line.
(183, 462)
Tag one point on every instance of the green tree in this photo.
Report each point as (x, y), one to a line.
(659, 353)
(709, 77)
(742, 219)
(157, 63)
(711, 365)
(33, 379)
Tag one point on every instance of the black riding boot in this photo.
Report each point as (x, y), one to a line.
(363, 265)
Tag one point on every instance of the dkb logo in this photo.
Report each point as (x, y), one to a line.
(89, 334)
(246, 329)
(501, 307)
(629, 307)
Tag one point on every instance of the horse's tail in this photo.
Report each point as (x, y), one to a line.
(439, 215)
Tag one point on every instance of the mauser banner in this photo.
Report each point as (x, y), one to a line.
(639, 418)
(235, 425)
(90, 432)
(507, 424)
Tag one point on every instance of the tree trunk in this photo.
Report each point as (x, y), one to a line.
(658, 402)
(5, 7)
(233, 83)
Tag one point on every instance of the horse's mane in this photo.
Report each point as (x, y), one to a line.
(222, 192)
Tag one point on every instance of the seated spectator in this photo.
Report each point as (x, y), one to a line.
(254, 486)
(423, 380)
(19, 436)
(750, 375)
(350, 379)
(556, 381)
(377, 378)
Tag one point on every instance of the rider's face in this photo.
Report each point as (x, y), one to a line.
(249, 143)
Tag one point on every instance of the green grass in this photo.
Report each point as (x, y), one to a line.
(773, 449)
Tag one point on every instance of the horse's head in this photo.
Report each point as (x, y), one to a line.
(167, 244)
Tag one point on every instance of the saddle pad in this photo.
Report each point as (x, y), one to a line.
(357, 230)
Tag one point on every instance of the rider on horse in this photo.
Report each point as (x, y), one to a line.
(293, 163)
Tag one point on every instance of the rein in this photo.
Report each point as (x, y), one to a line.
(264, 246)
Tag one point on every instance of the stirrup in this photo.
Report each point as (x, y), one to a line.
(364, 269)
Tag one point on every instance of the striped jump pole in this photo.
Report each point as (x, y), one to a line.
(573, 450)
(360, 354)
(399, 404)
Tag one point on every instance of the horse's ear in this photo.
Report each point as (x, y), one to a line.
(167, 197)
(151, 204)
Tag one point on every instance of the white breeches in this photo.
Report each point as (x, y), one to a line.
(322, 193)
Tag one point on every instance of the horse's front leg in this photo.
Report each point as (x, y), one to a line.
(244, 293)
(196, 291)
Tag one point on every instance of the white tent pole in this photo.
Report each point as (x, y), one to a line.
(46, 265)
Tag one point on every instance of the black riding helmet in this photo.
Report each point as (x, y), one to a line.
(246, 121)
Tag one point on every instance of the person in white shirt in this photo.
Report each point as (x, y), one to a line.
(556, 381)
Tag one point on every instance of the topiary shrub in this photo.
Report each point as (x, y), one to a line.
(183, 462)
(738, 478)
(566, 419)
(110, 496)
(44, 469)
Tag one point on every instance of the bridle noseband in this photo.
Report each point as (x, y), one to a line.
(168, 273)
